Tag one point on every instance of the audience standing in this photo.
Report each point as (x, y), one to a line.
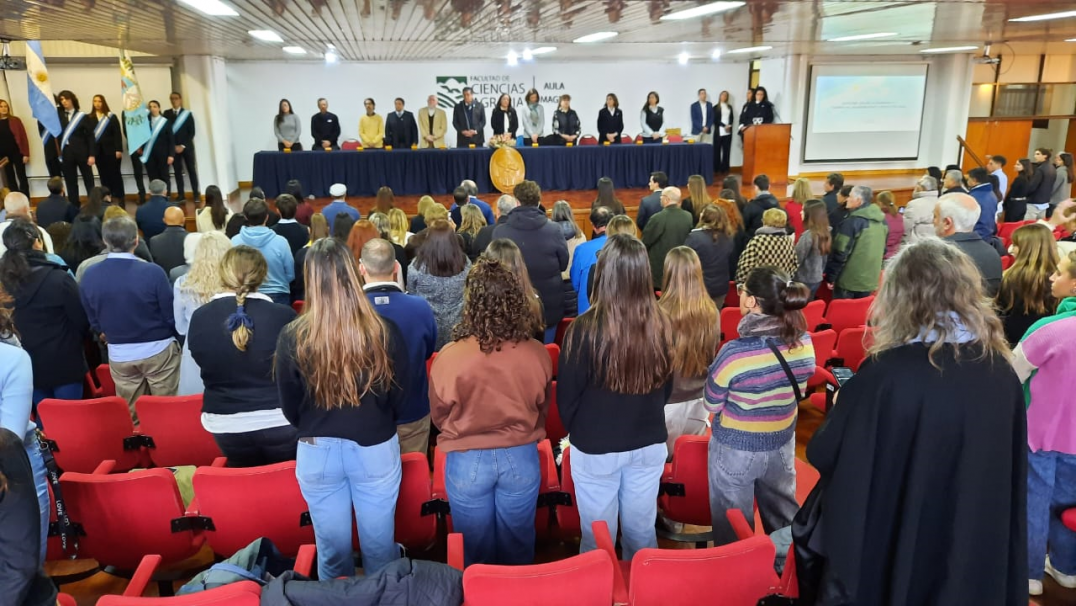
(1040, 185)
(995, 164)
(772, 246)
(665, 231)
(983, 192)
(167, 246)
(919, 212)
(813, 247)
(506, 252)
(894, 222)
(319, 229)
(437, 275)
(713, 243)
(398, 227)
(339, 205)
(954, 220)
(472, 222)
(84, 241)
(505, 205)
(573, 236)
(1014, 209)
(801, 193)
(214, 216)
(586, 256)
(191, 291)
(953, 182)
(1024, 296)
(273, 247)
(763, 201)
(855, 261)
(651, 204)
(607, 197)
(1062, 189)
(291, 230)
(56, 207)
(831, 187)
(150, 216)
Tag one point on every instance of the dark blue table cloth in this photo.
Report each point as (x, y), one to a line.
(439, 171)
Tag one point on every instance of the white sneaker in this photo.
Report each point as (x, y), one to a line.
(1034, 587)
(1068, 581)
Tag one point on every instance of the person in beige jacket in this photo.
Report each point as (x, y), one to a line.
(919, 213)
(432, 125)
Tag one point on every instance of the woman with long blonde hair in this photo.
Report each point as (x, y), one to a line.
(1024, 296)
(713, 243)
(336, 369)
(695, 334)
(193, 290)
(233, 338)
(418, 222)
(398, 227)
(471, 223)
(801, 193)
(697, 197)
(506, 252)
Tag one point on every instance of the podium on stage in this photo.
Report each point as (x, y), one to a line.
(765, 152)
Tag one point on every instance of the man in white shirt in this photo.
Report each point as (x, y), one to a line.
(432, 125)
(995, 164)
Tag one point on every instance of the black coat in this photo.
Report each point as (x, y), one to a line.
(753, 211)
(566, 123)
(1016, 199)
(545, 254)
(485, 236)
(167, 247)
(478, 124)
(21, 581)
(52, 323)
(324, 127)
(513, 121)
(111, 140)
(80, 145)
(714, 255)
(163, 148)
(54, 209)
(924, 483)
(401, 132)
(610, 124)
(185, 135)
(1042, 183)
(762, 112)
(295, 233)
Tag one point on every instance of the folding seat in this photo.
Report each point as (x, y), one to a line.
(848, 313)
(1068, 518)
(87, 432)
(568, 524)
(554, 427)
(554, 356)
(730, 323)
(588, 140)
(561, 329)
(172, 431)
(823, 342)
(684, 495)
(814, 314)
(91, 389)
(626, 139)
(1007, 261)
(350, 145)
(732, 297)
(105, 380)
(851, 347)
(416, 509)
(297, 306)
(789, 583)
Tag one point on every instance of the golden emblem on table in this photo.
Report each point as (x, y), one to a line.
(506, 169)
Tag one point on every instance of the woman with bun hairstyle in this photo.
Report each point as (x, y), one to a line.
(753, 446)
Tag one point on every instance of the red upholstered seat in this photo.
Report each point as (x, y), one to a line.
(554, 355)
(732, 297)
(414, 529)
(824, 342)
(350, 144)
(298, 306)
(686, 492)
(814, 314)
(730, 323)
(554, 427)
(568, 523)
(582, 580)
(676, 138)
(88, 432)
(175, 425)
(626, 139)
(561, 329)
(247, 503)
(104, 379)
(1007, 261)
(588, 140)
(789, 584)
(848, 313)
(1068, 518)
(852, 346)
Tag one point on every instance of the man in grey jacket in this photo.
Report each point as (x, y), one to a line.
(919, 213)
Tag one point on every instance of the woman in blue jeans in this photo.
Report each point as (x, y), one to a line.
(614, 380)
(348, 454)
(489, 392)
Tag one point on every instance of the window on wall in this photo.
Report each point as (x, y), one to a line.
(1023, 100)
(753, 73)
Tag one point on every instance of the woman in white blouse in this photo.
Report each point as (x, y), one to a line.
(652, 119)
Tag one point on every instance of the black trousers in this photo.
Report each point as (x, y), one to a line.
(108, 169)
(140, 183)
(256, 448)
(52, 160)
(157, 168)
(553, 139)
(722, 150)
(186, 163)
(15, 175)
(294, 146)
(72, 166)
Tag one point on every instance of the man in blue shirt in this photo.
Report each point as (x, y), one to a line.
(339, 205)
(586, 255)
(470, 190)
(150, 216)
(414, 317)
(996, 165)
(983, 192)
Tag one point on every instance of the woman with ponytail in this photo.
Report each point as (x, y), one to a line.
(233, 338)
(754, 388)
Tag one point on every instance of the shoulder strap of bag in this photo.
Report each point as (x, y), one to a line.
(64, 527)
(787, 369)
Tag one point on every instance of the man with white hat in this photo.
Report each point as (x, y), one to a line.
(339, 205)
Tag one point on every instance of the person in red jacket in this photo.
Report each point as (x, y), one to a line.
(15, 147)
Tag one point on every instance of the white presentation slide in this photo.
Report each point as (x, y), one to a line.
(865, 111)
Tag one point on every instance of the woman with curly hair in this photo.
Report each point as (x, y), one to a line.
(490, 429)
(193, 290)
(506, 252)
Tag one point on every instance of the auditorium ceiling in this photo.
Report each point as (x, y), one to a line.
(406, 30)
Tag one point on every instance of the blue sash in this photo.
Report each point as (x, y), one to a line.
(181, 118)
(101, 126)
(148, 149)
(76, 119)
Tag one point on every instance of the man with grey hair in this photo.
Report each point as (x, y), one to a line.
(17, 206)
(129, 305)
(472, 196)
(919, 212)
(505, 205)
(855, 260)
(953, 182)
(414, 316)
(150, 216)
(955, 217)
(665, 231)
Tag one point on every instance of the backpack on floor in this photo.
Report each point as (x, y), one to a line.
(260, 562)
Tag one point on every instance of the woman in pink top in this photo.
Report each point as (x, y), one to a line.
(888, 204)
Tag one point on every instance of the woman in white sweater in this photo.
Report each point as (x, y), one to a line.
(287, 127)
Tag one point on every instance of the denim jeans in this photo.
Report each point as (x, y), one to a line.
(1051, 489)
(72, 391)
(493, 494)
(624, 483)
(335, 475)
(739, 478)
(41, 484)
(550, 334)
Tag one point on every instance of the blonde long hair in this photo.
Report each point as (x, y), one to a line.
(801, 191)
(1028, 280)
(242, 271)
(342, 343)
(471, 220)
(424, 203)
(696, 190)
(204, 279)
(692, 313)
(398, 225)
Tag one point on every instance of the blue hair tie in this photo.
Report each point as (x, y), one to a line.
(240, 318)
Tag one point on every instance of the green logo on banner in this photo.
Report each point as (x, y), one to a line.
(450, 90)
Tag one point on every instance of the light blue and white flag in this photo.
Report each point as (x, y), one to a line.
(42, 103)
(135, 114)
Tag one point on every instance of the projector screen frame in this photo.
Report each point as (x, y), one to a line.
(807, 115)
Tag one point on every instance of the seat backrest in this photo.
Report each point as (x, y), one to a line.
(561, 329)
(414, 530)
(554, 427)
(732, 297)
(87, 432)
(852, 346)
(848, 313)
(247, 503)
(243, 593)
(547, 465)
(1007, 261)
(126, 516)
(105, 380)
(626, 139)
(568, 515)
(588, 140)
(298, 306)
(350, 144)
(730, 323)
(690, 457)
(814, 314)
(175, 424)
(582, 580)
(554, 355)
(738, 574)
(823, 341)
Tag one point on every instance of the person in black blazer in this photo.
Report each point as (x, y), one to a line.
(77, 147)
(469, 120)
(401, 130)
(505, 122)
(566, 124)
(757, 111)
(109, 146)
(610, 120)
(159, 152)
(51, 145)
(182, 123)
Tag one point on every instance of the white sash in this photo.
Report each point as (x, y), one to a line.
(181, 118)
(101, 126)
(71, 126)
(148, 149)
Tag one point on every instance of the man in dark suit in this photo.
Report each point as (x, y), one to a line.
(77, 145)
(56, 207)
(651, 205)
(182, 123)
(469, 120)
(702, 119)
(325, 127)
(167, 246)
(51, 146)
(150, 216)
(401, 130)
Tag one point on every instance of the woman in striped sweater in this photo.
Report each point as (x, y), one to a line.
(754, 442)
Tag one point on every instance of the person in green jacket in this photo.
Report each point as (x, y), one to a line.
(665, 231)
(855, 262)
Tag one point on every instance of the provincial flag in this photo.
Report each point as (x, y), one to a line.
(42, 103)
(135, 114)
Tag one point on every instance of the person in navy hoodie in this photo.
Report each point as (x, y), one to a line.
(983, 191)
(274, 247)
(415, 318)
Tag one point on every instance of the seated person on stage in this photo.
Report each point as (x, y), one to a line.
(371, 127)
(566, 125)
(325, 127)
(505, 123)
(652, 119)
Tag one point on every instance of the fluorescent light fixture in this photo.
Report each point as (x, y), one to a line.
(1046, 17)
(595, 37)
(750, 49)
(528, 55)
(683, 58)
(543, 50)
(702, 11)
(513, 58)
(716, 54)
(331, 57)
(213, 8)
(1071, 40)
(266, 35)
(863, 37)
(950, 49)
(330, 46)
(294, 50)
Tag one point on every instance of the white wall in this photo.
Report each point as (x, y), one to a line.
(255, 88)
(85, 81)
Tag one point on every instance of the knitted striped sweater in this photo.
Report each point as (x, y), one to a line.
(755, 404)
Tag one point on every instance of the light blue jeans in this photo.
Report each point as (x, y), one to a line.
(335, 475)
(493, 494)
(41, 484)
(1051, 489)
(619, 483)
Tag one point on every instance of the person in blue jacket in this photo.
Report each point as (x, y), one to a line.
(272, 246)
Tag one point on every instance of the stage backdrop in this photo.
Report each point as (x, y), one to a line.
(255, 89)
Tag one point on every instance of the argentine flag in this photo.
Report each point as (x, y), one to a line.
(39, 86)
(135, 114)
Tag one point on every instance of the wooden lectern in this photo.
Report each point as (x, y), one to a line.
(765, 152)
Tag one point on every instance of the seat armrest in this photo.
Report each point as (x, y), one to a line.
(455, 550)
(605, 543)
(304, 561)
(104, 467)
(142, 576)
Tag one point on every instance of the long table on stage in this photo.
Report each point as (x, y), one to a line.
(439, 171)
